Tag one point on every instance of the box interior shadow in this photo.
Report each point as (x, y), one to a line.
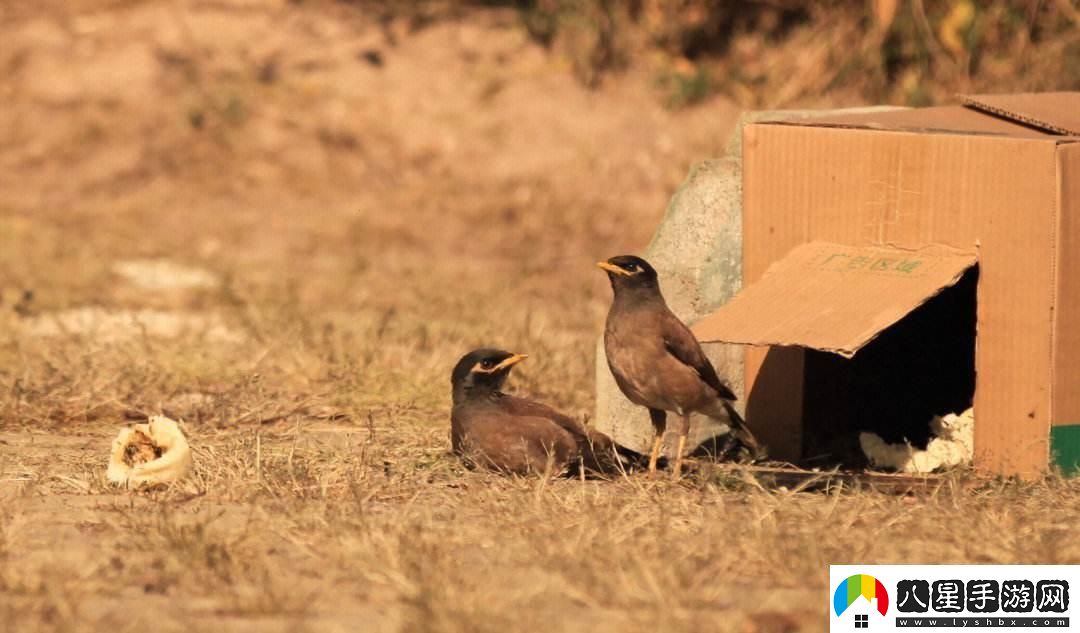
(922, 366)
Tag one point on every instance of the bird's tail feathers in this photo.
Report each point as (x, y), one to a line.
(742, 432)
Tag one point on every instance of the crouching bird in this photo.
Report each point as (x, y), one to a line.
(658, 363)
(494, 430)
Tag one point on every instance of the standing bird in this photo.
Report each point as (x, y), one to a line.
(505, 433)
(656, 360)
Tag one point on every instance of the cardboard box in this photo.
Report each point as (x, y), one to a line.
(900, 262)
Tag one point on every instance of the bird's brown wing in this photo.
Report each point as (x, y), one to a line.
(516, 443)
(599, 453)
(680, 343)
(521, 406)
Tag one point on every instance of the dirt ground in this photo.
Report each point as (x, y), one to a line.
(284, 223)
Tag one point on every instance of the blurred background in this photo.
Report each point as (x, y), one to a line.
(780, 53)
(244, 95)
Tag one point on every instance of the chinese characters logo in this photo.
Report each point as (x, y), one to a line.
(982, 596)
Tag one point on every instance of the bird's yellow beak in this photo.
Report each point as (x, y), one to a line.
(612, 268)
(510, 362)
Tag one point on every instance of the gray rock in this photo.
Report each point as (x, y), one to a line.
(697, 250)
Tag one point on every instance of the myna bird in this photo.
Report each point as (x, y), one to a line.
(494, 430)
(656, 360)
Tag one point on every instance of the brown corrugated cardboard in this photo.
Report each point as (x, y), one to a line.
(1056, 112)
(1065, 434)
(934, 177)
(943, 119)
(834, 298)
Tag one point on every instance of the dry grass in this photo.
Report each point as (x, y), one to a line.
(324, 497)
(325, 526)
(352, 275)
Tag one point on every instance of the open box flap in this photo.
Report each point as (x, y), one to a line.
(1053, 112)
(832, 297)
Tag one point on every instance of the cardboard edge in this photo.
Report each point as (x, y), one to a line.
(735, 142)
(976, 103)
(1052, 138)
(1055, 313)
(1064, 444)
(846, 353)
(883, 128)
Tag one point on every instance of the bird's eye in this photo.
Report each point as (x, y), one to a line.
(487, 364)
(632, 268)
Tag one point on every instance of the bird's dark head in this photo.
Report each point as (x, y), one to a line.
(630, 272)
(482, 371)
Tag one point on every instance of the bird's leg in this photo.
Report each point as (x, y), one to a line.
(684, 430)
(659, 422)
(654, 455)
